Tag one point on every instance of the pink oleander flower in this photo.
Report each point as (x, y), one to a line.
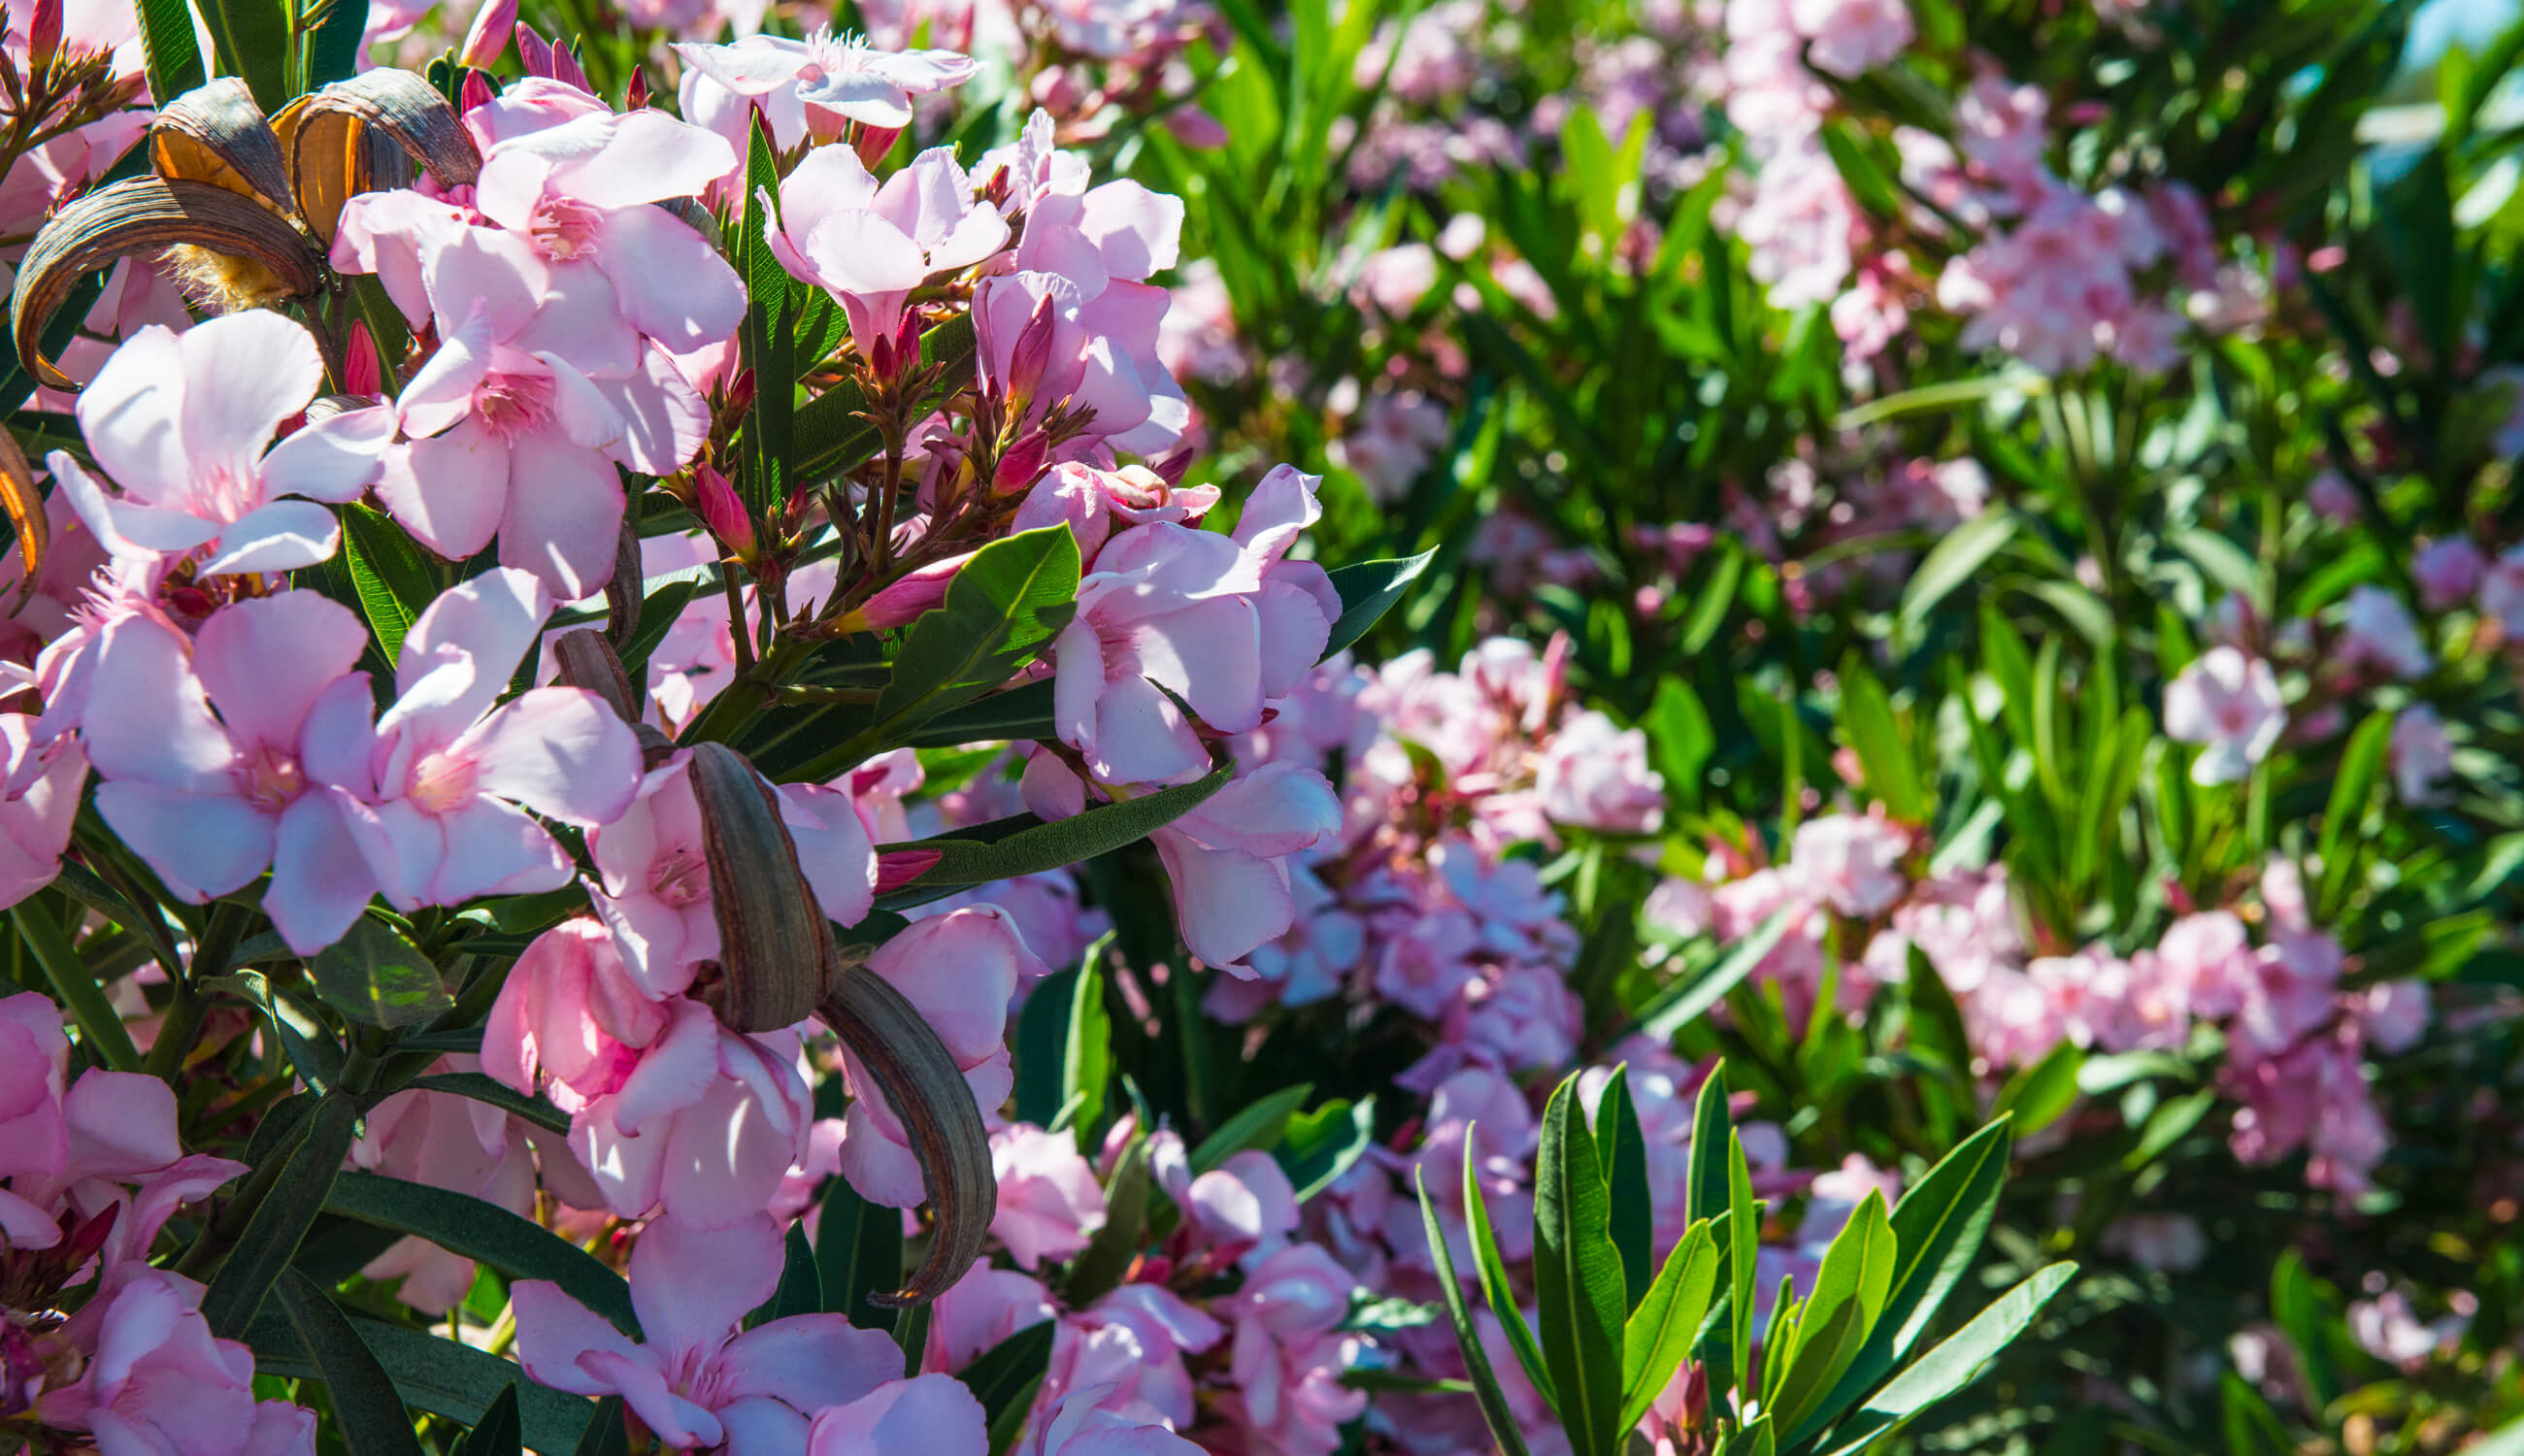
(2447, 571)
(1851, 862)
(454, 775)
(39, 797)
(582, 195)
(1095, 503)
(1067, 330)
(700, 1382)
(510, 431)
(1287, 1358)
(1227, 859)
(182, 425)
(159, 1383)
(811, 87)
(871, 245)
(1049, 1202)
(1224, 622)
(1596, 776)
(959, 970)
(1087, 1425)
(2230, 705)
(2422, 757)
(242, 750)
(668, 1107)
(931, 1413)
(656, 886)
(983, 1308)
(2501, 592)
(1130, 1348)
(2377, 630)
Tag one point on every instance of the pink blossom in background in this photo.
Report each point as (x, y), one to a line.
(1852, 862)
(2229, 703)
(1597, 776)
(2421, 755)
(2377, 631)
(39, 797)
(2447, 571)
(1049, 1202)
(159, 1381)
(932, 1414)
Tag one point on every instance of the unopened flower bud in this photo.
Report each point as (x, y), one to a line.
(362, 373)
(776, 949)
(488, 36)
(1019, 469)
(715, 500)
(1031, 357)
(1174, 467)
(635, 98)
(476, 93)
(44, 34)
(904, 600)
(874, 142)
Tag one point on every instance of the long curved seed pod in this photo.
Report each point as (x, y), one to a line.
(146, 216)
(775, 947)
(366, 133)
(622, 602)
(25, 506)
(919, 1079)
(217, 134)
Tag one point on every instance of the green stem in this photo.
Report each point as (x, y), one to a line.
(176, 1034)
(99, 1027)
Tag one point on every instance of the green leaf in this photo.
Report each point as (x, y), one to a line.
(1577, 1278)
(272, 1237)
(1938, 1227)
(1868, 723)
(1704, 1187)
(174, 55)
(1678, 1005)
(1109, 1252)
(1087, 1060)
(1953, 1364)
(1495, 1411)
(500, 1432)
(1659, 1333)
(1952, 561)
(1623, 1152)
(1849, 1293)
(607, 1433)
(1323, 1144)
(500, 1095)
(392, 578)
(1678, 730)
(376, 977)
(444, 1379)
(2037, 1095)
(251, 39)
(1743, 1227)
(859, 1252)
(1005, 1377)
(485, 1232)
(1497, 1291)
(1261, 1124)
(1023, 844)
(366, 1407)
(2361, 767)
(1001, 611)
(1368, 591)
(801, 1291)
(2297, 1304)
(333, 52)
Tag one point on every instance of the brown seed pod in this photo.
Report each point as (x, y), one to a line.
(587, 660)
(919, 1079)
(25, 506)
(776, 949)
(217, 134)
(376, 131)
(237, 244)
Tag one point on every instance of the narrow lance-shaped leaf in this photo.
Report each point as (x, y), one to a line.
(1023, 844)
(468, 1226)
(365, 1404)
(1659, 1333)
(858, 1254)
(270, 1238)
(1578, 1277)
(1495, 1411)
(920, 1081)
(1491, 1269)
(1623, 1152)
(1948, 1367)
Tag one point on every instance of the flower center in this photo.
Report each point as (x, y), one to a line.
(680, 878)
(513, 404)
(442, 783)
(565, 229)
(269, 779)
